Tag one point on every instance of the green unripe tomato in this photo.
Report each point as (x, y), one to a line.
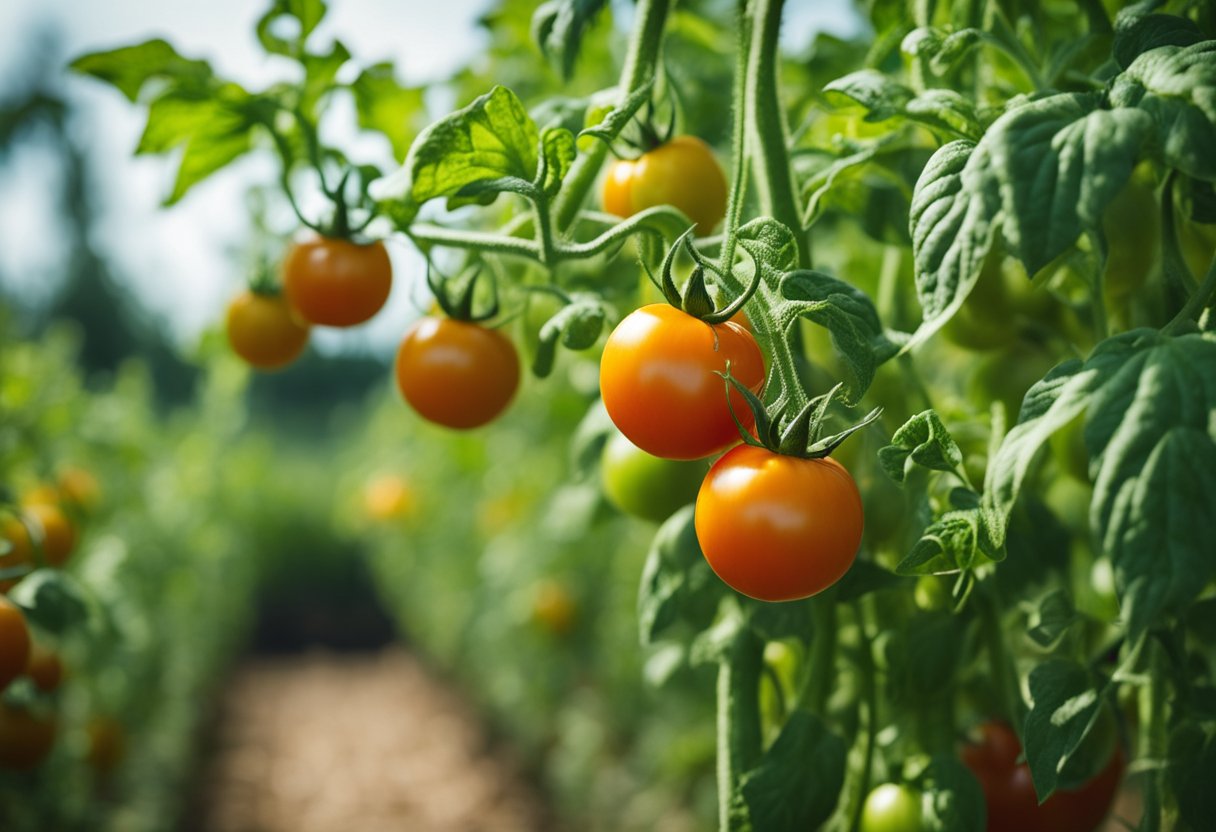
(892, 807)
(646, 486)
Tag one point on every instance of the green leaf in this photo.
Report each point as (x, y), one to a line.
(387, 107)
(304, 15)
(877, 92)
(677, 583)
(1050, 618)
(212, 129)
(864, 577)
(799, 780)
(131, 67)
(557, 145)
(1176, 87)
(953, 800)
(587, 442)
(606, 121)
(488, 147)
(320, 72)
(921, 441)
(1066, 702)
(1191, 772)
(849, 315)
(1137, 32)
(52, 600)
(955, 541)
(1042, 175)
(577, 325)
(558, 27)
(773, 622)
(923, 656)
(1149, 400)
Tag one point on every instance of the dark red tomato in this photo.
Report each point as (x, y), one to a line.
(1009, 790)
(776, 527)
(658, 378)
(335, 282)
(455, 373)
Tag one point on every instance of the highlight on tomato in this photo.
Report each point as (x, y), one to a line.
(458, 374)
(264, 331)
(329, 281)
(58, 534)
(892, 807)
(777, 527)
(682, 172)
(660, 384)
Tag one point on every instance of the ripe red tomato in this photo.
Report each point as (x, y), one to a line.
(14, 642)
(25, 738)
(335, 282)
(682, 173)
(776, 527)
(1009, 790)
(264, 331)
(44, 668)
(457, 374)
(659, 383)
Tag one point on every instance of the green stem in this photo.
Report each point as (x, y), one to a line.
(739, 732)
(820, 670)
(641, 222)
(869, 695)
(1153, 740)
(768, 146)
(640, 63)
(1195, 305)
(1004, 676)
(738, 175)
(544, 231)
(478, 240)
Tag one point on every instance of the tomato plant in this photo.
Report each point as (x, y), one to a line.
(455, 373)
(14, 642)
(681, 172)
(659, 382)
(335, 282)
(264, 331)
(58, 534)
(647, 486)
(776, 527)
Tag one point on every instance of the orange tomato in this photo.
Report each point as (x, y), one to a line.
(14, 642)
(58, 533)
(682, 173)
(335, 282)
(264, 331)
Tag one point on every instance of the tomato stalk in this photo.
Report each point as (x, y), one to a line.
(1004, 676)
(1200, 299)
(869, 695)
(1154, 740)
(738, 174)
(740, 738)
(641, 60)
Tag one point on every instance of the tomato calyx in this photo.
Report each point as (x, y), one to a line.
(456, 296)
(695, 299)
(798, 435)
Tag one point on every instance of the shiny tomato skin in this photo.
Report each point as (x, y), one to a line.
(14, 642)
(457, 374)
(264, 331)
(892, 807)
(682, 173)
(335, 282)
(659, 382)
(776, 527)
(25, 738)
(1009, 790)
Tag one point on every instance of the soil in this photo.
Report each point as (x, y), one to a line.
(369, 741)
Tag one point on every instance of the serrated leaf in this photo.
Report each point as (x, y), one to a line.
(488, 147)
(1176, 87)
(557, 144)
(677, 583)
(921, 441)
(877, 92)
(848, 314)
(129, 68)
(385, 106)
(1041, 175)
(799, 780)
(955, 541)
(52, 600)
(1149, 400)
(607, 119)
(1065, 703)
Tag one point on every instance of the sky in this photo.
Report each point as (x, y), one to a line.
(183, 262)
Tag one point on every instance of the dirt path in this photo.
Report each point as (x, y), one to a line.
(327, 742)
